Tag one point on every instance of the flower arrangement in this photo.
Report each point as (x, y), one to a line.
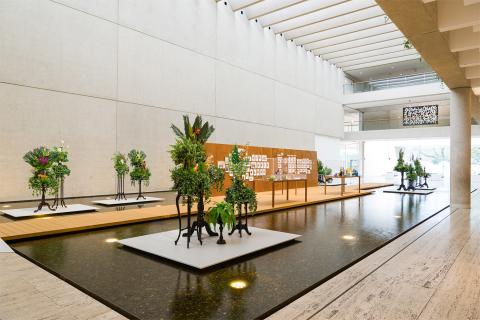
(43, 179)
(140, 171)
(238, 193)
(120, 164)
(59, 157)
(222, 213)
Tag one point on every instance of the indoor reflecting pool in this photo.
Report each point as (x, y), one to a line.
(334, 235)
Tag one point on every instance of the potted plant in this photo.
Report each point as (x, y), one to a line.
(426, 175)
(140, 172)
(223, 214)
(194, 175)
(238, 194)
(401, 167)
(411, 177)
(323, 171)
(59, 157)
(43, 177)
(419, 171)
(121, 168)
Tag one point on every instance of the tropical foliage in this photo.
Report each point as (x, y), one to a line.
(224, 212)
(43, 176)
(140, 172)
(238, 193)
(198, 132)
(193, 175)
(120, 164)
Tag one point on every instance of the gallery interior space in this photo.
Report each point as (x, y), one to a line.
(239, 159)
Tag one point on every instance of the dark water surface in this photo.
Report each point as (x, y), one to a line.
(146, 287)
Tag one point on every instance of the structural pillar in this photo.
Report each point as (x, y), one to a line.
(460, 148)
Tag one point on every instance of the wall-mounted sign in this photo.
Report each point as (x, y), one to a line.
(420, 115)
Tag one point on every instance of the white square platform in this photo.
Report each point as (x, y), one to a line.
(113, 202)
(29, 212)
(210, 253)
(417, 191)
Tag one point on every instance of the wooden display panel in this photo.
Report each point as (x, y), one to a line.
(218, 152)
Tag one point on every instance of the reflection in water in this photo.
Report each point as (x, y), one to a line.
(148, 287)
(213, 293)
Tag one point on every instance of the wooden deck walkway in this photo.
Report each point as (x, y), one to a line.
(431, 272)
(28, 228)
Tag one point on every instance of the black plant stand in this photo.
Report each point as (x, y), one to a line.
(140, 195)
(402, 185)
(220, 239)
(59, 196)
(239, 225)
(120, 187)
(411, 185)
(43, 202)
(197, 225)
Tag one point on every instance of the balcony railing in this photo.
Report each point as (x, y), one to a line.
(381, 84)
(385, 124)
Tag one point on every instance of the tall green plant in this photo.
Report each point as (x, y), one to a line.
(401, 166)
(140, 172)
(238, 193)
(418, 167)
(59, 157)
(411, 173)
(120, 164)
(193, 176)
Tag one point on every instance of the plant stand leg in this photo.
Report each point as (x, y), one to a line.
(240, 225)
(140, 195)
(43, 202)
(221, 240)
(177, 199)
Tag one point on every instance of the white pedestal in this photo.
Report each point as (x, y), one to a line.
(29, 212)
(210, 253)
(113, 202)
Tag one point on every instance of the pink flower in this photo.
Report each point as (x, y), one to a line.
(43, 161)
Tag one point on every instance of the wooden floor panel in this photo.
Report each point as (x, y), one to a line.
(49, 225)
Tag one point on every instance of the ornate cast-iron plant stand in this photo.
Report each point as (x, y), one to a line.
(43, 202)
(120, 187)
(59, 196)
(402, 185)
(197, 225)
(239, 225)
(140, 195)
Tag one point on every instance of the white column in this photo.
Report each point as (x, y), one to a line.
(460, 148)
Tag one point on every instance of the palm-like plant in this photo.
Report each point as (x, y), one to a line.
(198, 132)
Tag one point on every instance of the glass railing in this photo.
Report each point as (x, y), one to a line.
(385, 124)
(382, 84)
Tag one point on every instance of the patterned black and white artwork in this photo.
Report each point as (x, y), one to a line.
(420, 115)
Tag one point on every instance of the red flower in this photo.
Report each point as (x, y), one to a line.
(197, 132)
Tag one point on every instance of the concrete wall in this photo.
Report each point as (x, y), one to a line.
(107, 75)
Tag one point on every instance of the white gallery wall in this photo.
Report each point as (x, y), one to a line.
(108, 75)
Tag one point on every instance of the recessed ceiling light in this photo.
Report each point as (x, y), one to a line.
(111, 240)
(348, 237)
(238, 284)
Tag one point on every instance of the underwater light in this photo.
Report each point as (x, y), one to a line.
(348, 237)
(238, 284)
(111, 240)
